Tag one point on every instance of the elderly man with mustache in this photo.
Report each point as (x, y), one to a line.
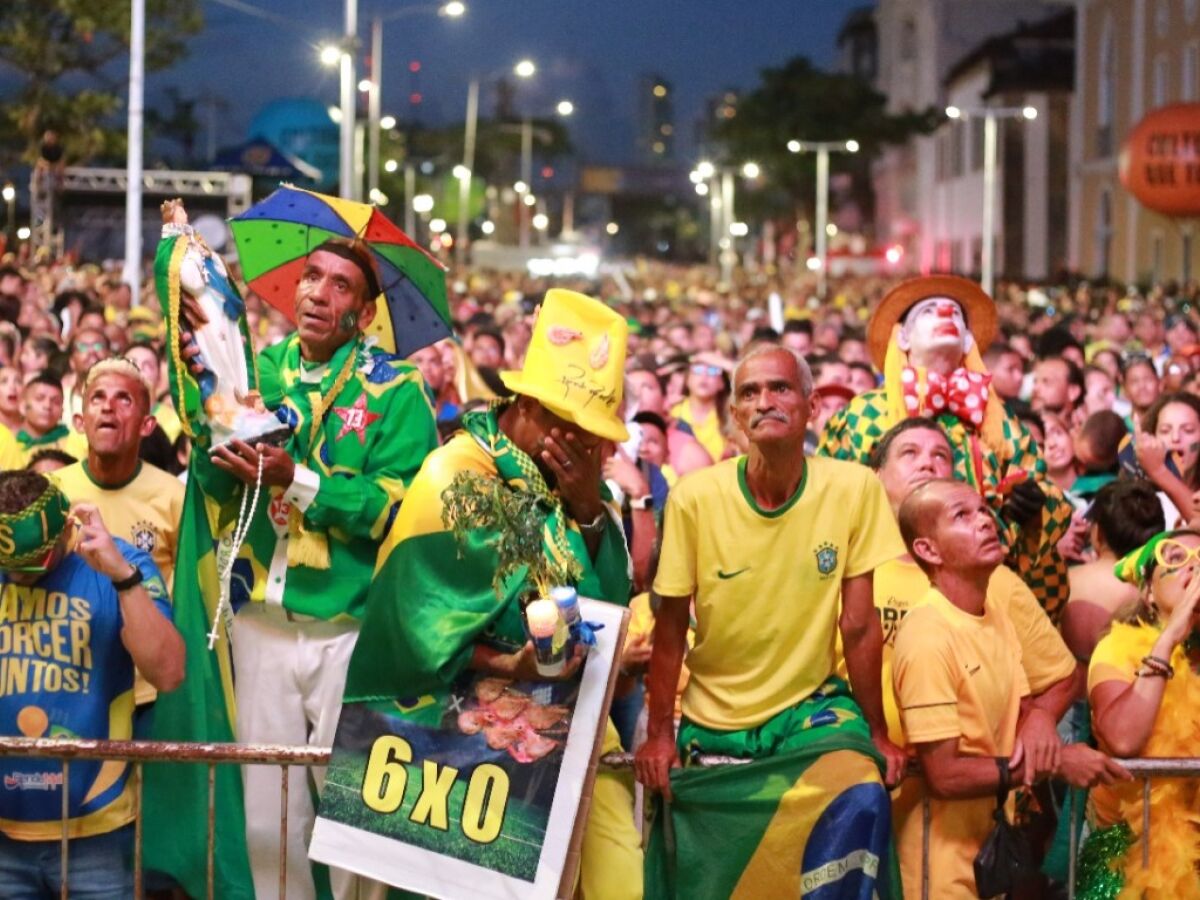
(775, 552)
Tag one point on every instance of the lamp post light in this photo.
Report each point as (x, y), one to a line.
(822, 149)
(718, 183)
(9, 193)
(525, 69)
(451, 10)
(991, 116)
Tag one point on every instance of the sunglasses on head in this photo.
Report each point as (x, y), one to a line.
(704, 369)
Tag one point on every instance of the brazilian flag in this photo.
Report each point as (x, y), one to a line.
(811, 820)
(202, 708)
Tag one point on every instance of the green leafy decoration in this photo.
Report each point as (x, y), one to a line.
(517, 520)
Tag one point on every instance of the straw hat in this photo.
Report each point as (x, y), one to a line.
(977, 306)
(575, 364)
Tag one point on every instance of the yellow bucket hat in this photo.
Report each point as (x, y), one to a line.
(575, 364)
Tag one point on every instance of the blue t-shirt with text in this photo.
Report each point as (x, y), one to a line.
(65, 673)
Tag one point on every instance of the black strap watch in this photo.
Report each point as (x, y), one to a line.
(129, 582)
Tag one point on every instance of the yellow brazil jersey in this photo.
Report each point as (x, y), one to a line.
(12, 454)
(707, 432)
(144, 511)
(901, 586)
(767, 583)
(957, 676)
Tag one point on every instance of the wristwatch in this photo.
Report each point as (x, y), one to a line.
(644, 502)
(130, 581)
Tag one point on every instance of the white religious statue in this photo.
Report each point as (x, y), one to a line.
(194, 278)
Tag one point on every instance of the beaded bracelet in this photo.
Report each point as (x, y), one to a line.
(1154, 667)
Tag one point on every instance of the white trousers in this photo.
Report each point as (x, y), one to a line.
(289, 677)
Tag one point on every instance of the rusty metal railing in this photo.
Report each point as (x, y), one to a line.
(140, 752)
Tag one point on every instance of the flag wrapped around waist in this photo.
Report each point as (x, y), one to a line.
(809, 817)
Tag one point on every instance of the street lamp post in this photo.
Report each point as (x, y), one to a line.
(822, 149)
(9, 194)
(991, 116)
(465, 177)
(374, 100)
(452, 10)
(719, 184)
(346, 188)
(132, 272)
(526, 69)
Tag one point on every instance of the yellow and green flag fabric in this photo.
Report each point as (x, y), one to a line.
(432, 596)
(202, 708)
(808, 817)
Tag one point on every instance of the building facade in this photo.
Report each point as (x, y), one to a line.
(655, 119)
(1132, 56)
(1030, 67)
(919, 42)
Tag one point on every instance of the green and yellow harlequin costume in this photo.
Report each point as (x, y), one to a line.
(1000, 448)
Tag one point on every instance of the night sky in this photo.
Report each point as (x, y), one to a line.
(589, 52)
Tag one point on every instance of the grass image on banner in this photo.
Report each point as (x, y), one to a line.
(515, 852)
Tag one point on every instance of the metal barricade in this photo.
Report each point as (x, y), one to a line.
(1145, 769)
(140, 752)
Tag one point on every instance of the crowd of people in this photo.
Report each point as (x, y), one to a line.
(906, 526)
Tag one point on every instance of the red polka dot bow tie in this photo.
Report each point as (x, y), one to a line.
(963, 393)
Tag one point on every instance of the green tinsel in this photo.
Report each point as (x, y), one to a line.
(1100, 875)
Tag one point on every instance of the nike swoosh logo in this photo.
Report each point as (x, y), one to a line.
(725, 576)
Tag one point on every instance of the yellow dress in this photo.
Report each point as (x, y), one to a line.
(1174, 802)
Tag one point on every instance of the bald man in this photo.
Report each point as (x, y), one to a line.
(961, 690)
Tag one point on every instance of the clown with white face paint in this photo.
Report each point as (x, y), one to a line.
(924, 336)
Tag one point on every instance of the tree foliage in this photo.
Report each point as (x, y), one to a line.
(70, 61)
(800, 102)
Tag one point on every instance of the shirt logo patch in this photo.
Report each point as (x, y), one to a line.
(827, 559)
(144, 537)
(725, 576)
(355, 419)
(33, 781)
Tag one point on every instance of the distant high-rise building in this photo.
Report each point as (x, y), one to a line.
(655, 119)
(858, 45)
(718, 108)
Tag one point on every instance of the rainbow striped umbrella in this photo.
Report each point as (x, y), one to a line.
(275, 236)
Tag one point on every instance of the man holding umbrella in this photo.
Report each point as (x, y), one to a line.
(360, 428)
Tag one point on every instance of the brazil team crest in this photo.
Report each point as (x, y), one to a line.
(143, 537)
(826, 558)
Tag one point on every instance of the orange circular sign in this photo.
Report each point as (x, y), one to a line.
(1160, 162)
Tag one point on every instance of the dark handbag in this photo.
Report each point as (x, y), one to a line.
(1004, 860)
